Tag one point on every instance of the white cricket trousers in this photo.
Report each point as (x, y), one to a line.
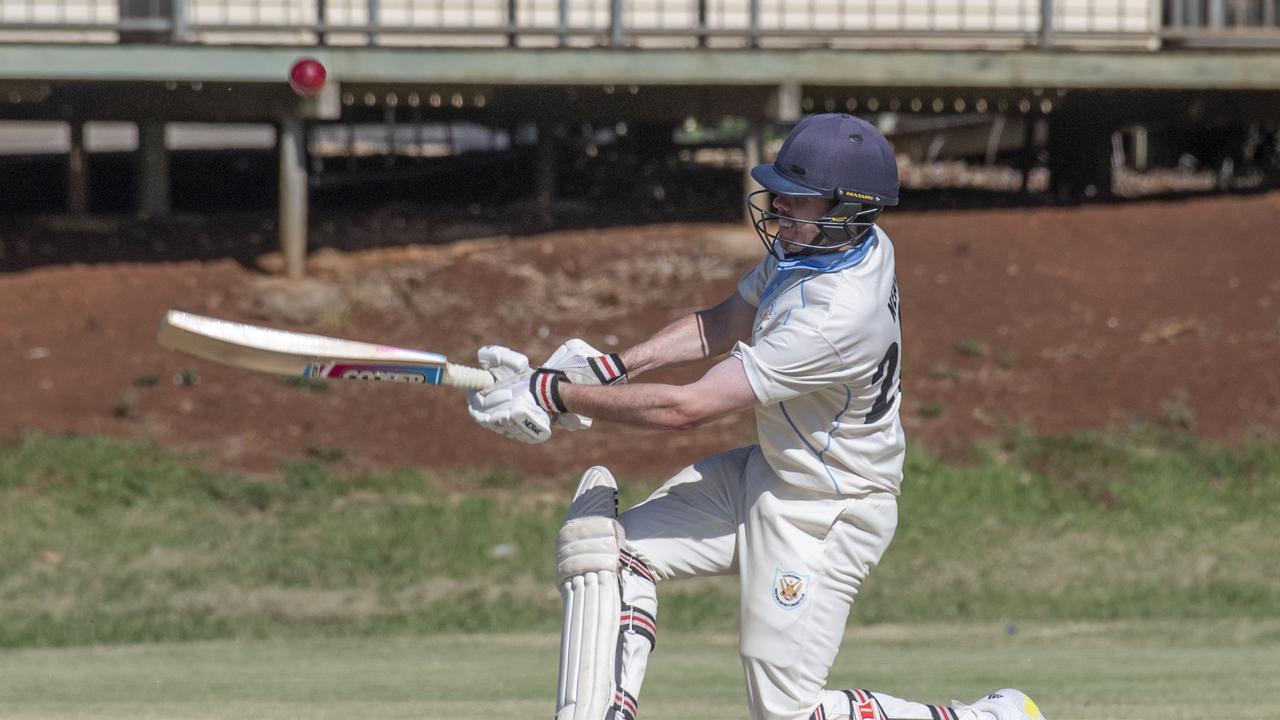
(801, 556)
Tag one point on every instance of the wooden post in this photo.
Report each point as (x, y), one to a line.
(77, 171)
(752, 155)
(544, 175)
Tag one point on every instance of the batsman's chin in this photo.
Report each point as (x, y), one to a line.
(791, 249)
(794, 242)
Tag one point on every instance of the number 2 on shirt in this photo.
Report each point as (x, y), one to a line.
(888, 370)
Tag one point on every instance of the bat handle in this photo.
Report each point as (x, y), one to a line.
(467, 378)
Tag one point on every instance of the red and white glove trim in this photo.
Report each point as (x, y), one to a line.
(608, 368)
(544, 385)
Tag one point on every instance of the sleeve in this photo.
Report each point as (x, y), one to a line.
(753, 283)
(790, 361)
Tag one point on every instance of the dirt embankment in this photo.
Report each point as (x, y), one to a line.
(1056, 319)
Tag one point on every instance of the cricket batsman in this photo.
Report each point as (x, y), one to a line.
(812, 343)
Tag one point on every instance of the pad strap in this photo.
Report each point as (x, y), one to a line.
(639, 622)
(628, 562)
(625, 706)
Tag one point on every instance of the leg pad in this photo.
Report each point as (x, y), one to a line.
(587, 550)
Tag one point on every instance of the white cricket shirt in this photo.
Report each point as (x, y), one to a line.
(825, 364)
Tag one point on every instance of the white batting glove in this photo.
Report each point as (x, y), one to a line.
(502, 362)
(508, 408)
(583, 365)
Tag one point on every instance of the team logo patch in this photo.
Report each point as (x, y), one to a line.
(790, 589)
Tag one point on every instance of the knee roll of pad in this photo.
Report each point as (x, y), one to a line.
(586, 545)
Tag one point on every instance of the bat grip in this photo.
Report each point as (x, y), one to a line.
(467, 378)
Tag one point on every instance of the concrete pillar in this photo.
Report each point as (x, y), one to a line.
(787, 105)
(77, 172)
(544, 172)
(291, 143)
(153, 168)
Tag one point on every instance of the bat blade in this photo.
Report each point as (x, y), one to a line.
(283, 352)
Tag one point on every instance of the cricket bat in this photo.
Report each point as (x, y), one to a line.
(282, 352)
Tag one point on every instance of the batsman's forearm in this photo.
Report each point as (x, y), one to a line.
(651, 405)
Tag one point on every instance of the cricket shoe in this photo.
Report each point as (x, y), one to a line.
(1006, 704)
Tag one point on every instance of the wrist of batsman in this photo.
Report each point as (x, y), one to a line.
(544, 385)
(608, 369)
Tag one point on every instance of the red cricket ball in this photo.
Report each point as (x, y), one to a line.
(306, 77)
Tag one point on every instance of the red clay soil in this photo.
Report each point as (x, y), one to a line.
(1052, 319)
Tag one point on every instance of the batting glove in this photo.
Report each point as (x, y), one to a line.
(585, 365)
(508, 408)
(579, 363)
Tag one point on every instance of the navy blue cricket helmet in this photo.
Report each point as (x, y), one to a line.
(835, 156)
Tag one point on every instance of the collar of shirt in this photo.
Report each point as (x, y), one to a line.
(823, 263)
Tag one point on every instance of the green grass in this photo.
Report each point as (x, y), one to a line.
(110, 542)
(1129, 670)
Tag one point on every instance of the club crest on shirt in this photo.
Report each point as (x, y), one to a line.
(790, 589)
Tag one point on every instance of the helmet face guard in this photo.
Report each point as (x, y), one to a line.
(847, 224)
(834, 157)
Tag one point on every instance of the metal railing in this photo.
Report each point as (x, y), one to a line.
(646, 23)
(1229, 23)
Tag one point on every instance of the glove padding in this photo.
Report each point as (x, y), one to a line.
(508, 408)
(585, 365)
(582, 364)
